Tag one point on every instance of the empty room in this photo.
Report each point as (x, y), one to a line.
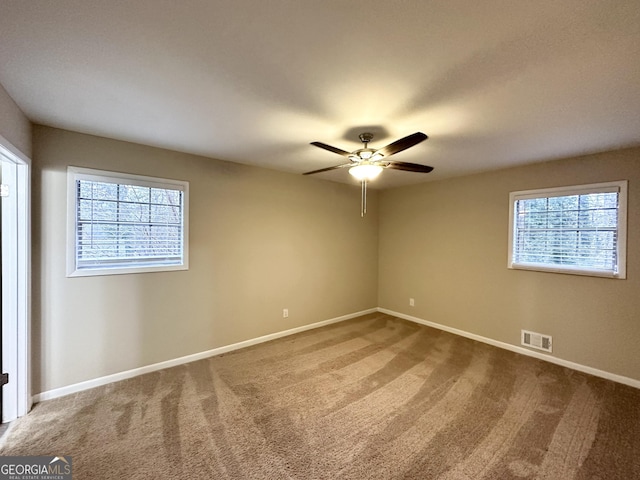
(320, 240)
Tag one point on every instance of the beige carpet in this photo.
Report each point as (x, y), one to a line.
(375, 397)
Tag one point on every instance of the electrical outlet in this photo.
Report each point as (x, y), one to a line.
(412, 302)
(285, 312)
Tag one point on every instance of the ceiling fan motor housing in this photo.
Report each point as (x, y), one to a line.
(364, 154)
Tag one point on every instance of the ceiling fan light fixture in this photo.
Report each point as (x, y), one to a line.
(365, 171)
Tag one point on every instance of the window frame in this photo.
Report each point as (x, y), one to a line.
(620, 185)
(80, 173)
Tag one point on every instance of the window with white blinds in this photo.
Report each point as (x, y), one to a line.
(121, 223)
(578, 229)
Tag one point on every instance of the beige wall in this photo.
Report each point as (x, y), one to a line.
(260, 241)
(445, 244)
(14, 125)
(264, 240)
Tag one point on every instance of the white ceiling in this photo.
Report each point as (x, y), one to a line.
(493, 83)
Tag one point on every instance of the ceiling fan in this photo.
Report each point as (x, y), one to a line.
(365, 164)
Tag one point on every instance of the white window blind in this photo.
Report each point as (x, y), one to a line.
(126, 223)
(578, 229)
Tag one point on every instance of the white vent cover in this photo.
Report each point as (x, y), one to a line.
(536, 340)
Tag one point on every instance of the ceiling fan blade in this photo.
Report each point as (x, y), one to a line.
(403, 144)
(329, 168)
(339, 151)
(410, 167)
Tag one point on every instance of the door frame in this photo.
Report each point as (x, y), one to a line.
(16, 284)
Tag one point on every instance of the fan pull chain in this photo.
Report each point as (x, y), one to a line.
(363, 198)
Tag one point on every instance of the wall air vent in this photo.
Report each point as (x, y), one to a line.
(536, 340)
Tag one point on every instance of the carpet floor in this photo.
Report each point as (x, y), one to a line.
(374, 397)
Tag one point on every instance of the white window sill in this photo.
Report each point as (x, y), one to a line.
(565, 270)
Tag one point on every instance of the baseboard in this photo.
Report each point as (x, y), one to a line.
(514, 348)
(97, 382)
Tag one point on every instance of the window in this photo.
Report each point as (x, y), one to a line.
(120, 223)
(579, 229)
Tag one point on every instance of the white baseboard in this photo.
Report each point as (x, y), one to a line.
(96, 382)
(78, 387)
(514, 348)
